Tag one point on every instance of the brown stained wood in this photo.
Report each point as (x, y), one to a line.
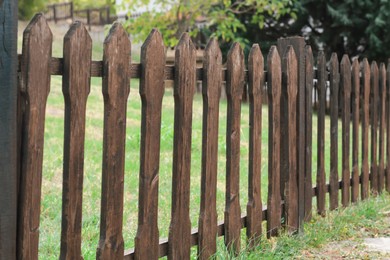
(345, 92)
(255, 87)
(309, 73)
(75, 87)
(184, 88)
(321, 177)
(374, 126)
(35, 68)
(334, 108)
(355, 92)
(387, 172)
(116, 89)
(211, 90)
(234, 90)
(366, 79)
(382, 125)
(289, 137)
(274, 94)
(152, 92)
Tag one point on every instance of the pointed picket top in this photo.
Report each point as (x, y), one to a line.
(116, 31)
(185, 45)
(256, 64)
(322, 63)
(374, 68)
(355, 66)
(77, 29)
(289, 63)
(274, 66)
(212, 61)
(235, 63)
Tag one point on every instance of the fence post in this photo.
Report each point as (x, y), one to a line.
(8, 135)
(55, 13)
(72, 11)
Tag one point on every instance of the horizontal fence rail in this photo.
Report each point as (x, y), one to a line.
(359, 95)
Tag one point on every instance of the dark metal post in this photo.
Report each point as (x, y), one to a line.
(8, 126)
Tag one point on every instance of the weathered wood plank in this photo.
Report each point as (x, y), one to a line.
(234, 90)
(366, 79)
(151, 92)
(355, 129)
(184, 89)
(334, 109)
(211, 90)
(388, 129)
(374, 126)
(309, 79)
(321, 177)
(116, 89)
(345, 92)
(289, 137)
(75, 87)
(37, 47)
(382, 125)
(274, 95)
(255, 87)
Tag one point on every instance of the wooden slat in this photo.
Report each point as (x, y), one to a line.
(234, 90)
(152, 92)
(388, 129)
(366, 78)
(355, 91)
(116, 89)
(211, 90)
(382, 125)
(76, 87)
(274, 94)
(184, 88)
(374, 126)
(345, 92)
(37, 47)
(255, 87)
(334, 109)
(321, 178)
(289, 137)
(309, 79)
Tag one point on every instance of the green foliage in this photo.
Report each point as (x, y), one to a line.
(27, 8)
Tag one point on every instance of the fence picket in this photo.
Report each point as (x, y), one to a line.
(116, 89)
(382, 115)
(255, 87)
(321, 178)
(388, 129)
(366, 79)
(334, 110)
(345, 91)
(76, 87)
(184, 89)
(151, 92)
(289, 137)
(274, 77)
(374, 126)
(355, 92)
(234, 89)
(211, 90)
(309, 78)
(35, 68)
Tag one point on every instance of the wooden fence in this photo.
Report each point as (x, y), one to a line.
(290, 79)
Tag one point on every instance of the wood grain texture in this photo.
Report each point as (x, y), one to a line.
(211, 91)
(151, 92)
(309, 79)
(382, 126)
(289, 137)
(274, 95)
(366, 79)
(334, 109)
(345, 92)
(387, 181)
(374, 126)
(37, 47)
(184, 88)
(116, 89)
(321, 177)
(355, 96)
(255, 87)
(234, 90)
(75, 87)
